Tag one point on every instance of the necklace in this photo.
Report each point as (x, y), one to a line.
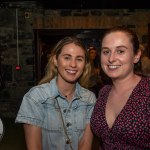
(67, 95)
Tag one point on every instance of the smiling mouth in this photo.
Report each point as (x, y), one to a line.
(71, 71)
(113, 66)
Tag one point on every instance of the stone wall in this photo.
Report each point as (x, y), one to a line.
(22, 51)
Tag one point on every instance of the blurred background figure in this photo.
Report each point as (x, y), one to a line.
(145, 61)
(95, 82)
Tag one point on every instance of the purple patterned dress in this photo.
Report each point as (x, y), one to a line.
(131, 129)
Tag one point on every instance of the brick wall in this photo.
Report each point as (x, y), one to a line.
(17, 82)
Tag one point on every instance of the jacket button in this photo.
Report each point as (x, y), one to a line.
(64, 110)
(68, 124)
(68, 141)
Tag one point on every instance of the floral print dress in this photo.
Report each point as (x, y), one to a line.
(131, 129)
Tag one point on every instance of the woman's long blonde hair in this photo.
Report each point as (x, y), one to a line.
(51, 69)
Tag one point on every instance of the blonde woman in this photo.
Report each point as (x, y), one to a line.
(56, 113)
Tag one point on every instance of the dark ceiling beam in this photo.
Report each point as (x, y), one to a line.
(84, 4)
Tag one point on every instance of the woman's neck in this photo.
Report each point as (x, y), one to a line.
(66, 89)
(126, 83)
(67, 94)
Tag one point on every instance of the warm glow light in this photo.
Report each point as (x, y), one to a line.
(18, 67)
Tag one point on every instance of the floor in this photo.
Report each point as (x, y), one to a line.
(13, 138)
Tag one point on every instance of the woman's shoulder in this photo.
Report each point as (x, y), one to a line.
(85, 91)
(39, 91)
(143, 87)
(145, 80)
(87, 95)
(105, 88)
(39, 87)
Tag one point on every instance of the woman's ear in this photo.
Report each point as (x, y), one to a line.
(55, 60)
(137, 56)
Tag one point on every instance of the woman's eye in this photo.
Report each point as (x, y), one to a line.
(105, 52)
(79, 59)
(66, 57)
(120, 51)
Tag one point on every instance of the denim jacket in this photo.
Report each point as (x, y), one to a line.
(41, 107)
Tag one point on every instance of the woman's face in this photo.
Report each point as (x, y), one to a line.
(93, 54)
(70, 63)
(117, 56)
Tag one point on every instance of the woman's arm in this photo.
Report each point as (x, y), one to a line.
(87, 139)
(33, 137)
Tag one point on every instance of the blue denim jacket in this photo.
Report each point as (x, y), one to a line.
(40, 108)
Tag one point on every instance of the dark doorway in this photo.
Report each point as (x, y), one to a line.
(45, 39)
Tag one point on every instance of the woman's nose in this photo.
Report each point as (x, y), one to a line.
(73, 63)
(112, 57)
